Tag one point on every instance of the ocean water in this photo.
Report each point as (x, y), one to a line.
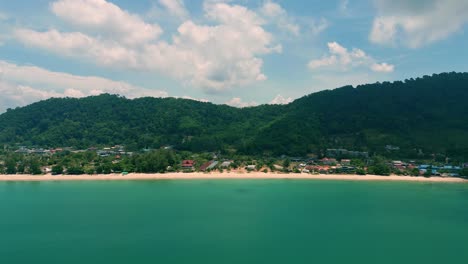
(233, 221)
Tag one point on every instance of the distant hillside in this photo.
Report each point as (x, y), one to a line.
(426, 114)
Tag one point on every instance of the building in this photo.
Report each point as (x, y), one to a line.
(328, 161)
(47, 170)
(337, 153)
(209, 165)
(392, 148)
(319, 169)
(188, 164)
(397, 164)
(345, 162)
(251, 167)
(226, 164)
(23, 150)
(278, 167)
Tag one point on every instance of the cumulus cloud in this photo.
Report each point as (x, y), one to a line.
(318, 26)
(215, 57)
(5, 28)
(21, 85)
(3, 16)
(107, 19)
(340, 58)
(238, 102)
(417, 23)
(343, 6)
(280, 100)
(194, 99)
(77, 44)
(382, 67)
(277, 13)
(175, 7)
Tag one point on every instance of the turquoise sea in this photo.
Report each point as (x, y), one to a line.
(233, 221)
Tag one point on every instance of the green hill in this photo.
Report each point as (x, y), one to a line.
(427, 115)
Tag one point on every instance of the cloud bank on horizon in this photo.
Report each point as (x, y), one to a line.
(240, 53)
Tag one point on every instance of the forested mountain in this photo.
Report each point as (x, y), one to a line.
(423, 115)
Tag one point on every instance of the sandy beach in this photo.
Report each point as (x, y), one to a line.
(232, 175)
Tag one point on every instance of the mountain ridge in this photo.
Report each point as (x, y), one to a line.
(425, 115)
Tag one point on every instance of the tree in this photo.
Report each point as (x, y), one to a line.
(464, 173)
(428, 172)
(414, 172)
(117, 167)
(35, 167)
(20, 168)
(57, 169)
(75, 170)
(357, 163)
(380, 167)
(363, 118)
(286, 163)
(360, 171)
(10, 165)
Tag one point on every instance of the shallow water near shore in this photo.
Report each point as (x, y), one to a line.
(233, 221)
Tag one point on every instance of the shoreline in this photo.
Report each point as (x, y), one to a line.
(223, 176)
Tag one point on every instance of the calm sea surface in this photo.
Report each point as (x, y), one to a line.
(264, 221)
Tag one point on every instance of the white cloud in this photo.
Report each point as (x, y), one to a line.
(194, 99)
(21, 85)
(341, 59)
(76, 44)
(343, 6)
(276, 13)
(175, 8)
(213, 57)
(3, 16)
(5, 28)
(238, 102)
(417, 23)
(318, 26)
(280, 100)
(235, 15)
(382, 67)
(105, 18)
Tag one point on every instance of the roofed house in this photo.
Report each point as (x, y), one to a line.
(226, 164)
(251, 167)
(209, 165)
(327, 161)
(397, 164)
(278, 167)
(319, 169)
(23, 150)
(345, 162)
(188, 164)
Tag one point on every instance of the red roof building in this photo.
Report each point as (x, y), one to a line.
(188, 164)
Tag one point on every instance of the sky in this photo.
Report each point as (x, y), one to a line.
(236, 52)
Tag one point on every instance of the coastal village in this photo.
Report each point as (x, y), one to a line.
(335, 161)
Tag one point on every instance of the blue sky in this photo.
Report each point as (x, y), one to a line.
(242, 53)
